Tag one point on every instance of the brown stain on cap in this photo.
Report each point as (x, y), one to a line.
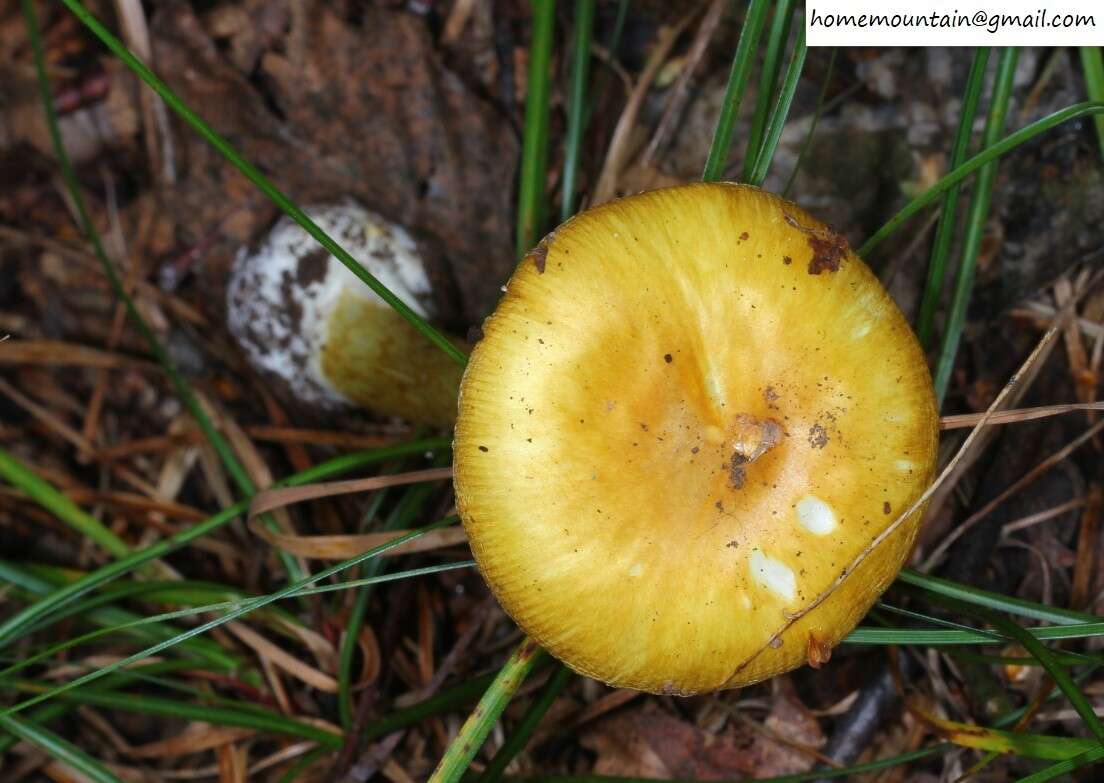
(828, 250)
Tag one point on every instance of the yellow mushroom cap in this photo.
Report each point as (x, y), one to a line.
(693, 410)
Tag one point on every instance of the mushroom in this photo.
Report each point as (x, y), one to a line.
(304, 320)
(690, 418)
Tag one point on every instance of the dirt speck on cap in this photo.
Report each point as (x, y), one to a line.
(737, 474)
(540, 255)
(818, 436)
(828, 250)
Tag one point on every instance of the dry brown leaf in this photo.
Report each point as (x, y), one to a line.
(320, 647)
(197, 737)
(1041, 315)
(395, 773)
(345, 547)
(62, 773)
(345, 440)
(609, 702)
(650, 743)
(276, 686)
(1088, 551)
(281, 658)
(370, 657)
(269, 499)
(232, 764)
(128, 501)
(1084, 379)
(279, 757)
(57, 353)
(86, 131)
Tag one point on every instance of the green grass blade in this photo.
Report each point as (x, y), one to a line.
(534, 145)
(302, 587)
(44, 494)
(472, 734)
(447, 700)
(350, 642)
(528, 724)
(768, 82)
(23, 583)
(180, 386)
(742, 61)
(613, 43)
(808, 140)
(253, 174)
(1064, 767)
(11, 628)
(39, 717)
(618, 27)
(253, 718)
(58, 748)
(49, 712)
(978, 597)
(402, 516)
(1061, 678)
(576, 103)
(183, 592)
(933, 637)
(781, 110)
(948, 217)
(410, 573)
(1092, 64)
(178, 638)
(991, 153)
(89, 231)
(975, 225)
(1009, 660)
(1020, 743)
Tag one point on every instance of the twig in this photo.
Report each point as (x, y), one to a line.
(680, 92)
(940, 550)
(962, 420)
(1041, 516)
(618, 151)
